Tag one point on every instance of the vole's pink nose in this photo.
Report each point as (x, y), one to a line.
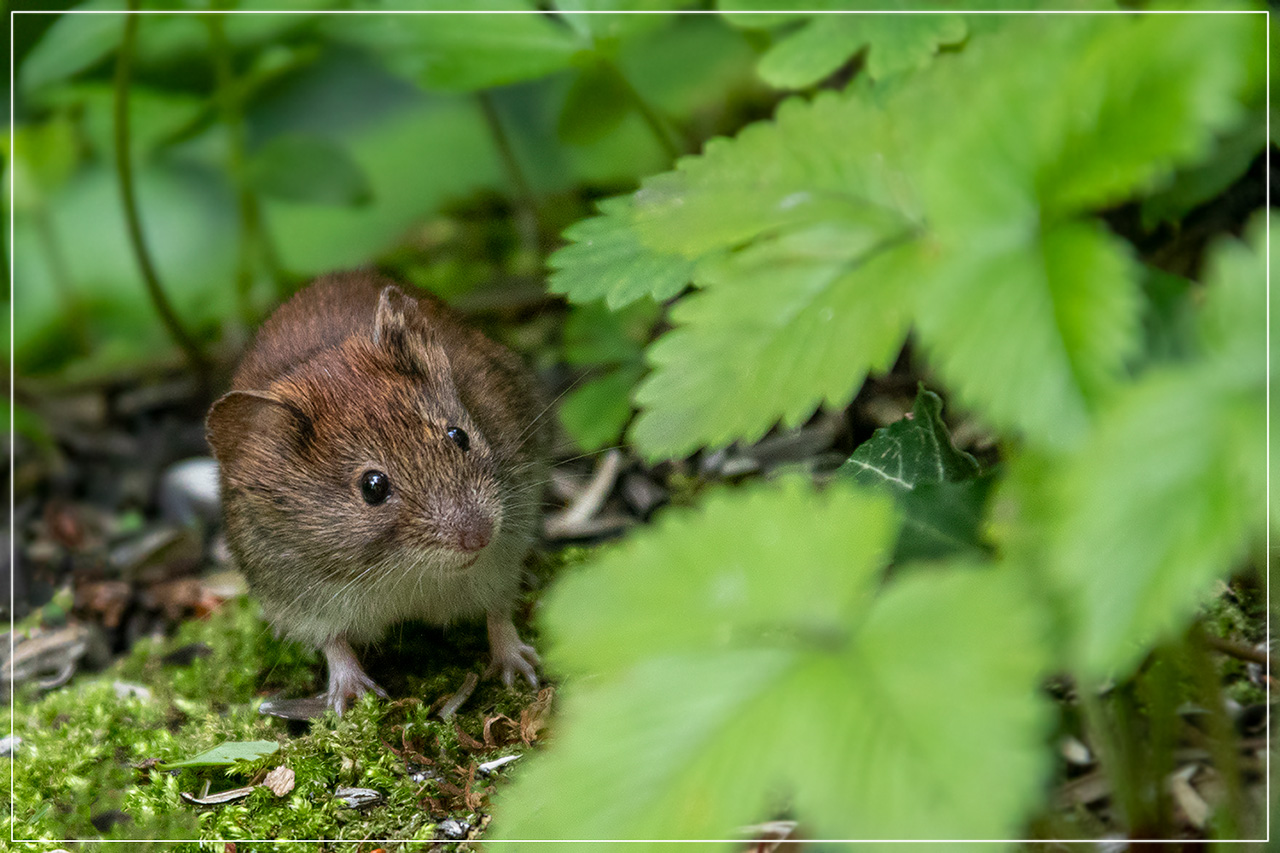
(474, 533)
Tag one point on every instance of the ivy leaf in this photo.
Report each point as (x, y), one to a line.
(779, 330)
(605, 259)
(915, 450)
(229, 753)
(1168, 492)
(308, 168)
(826, 42)
(937, 488)
(719, 649)
(464, 53)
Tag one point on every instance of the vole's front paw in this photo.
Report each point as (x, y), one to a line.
(511, 655)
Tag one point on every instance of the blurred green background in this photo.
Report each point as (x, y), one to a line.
(268, 148)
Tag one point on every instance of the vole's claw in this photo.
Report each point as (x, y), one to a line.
(521, 658)
(346, 679)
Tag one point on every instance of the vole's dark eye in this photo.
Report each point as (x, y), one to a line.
(374, 486)
(459, 437)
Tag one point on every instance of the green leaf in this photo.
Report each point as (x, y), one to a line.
(1141, 97)
(596, 412)
(935, 485)
(915, 450)
(44, 157)
(594, 335)
(709, 579)
(72, 44)
(607, 260)
(697, 613)
(943, 520)
(1232, 327)
(464, 53)
(309, 169)
(228, 753)
(780, 329)
(828, 159)
(1034, 331)
(1169, 492)
(826, 42)
(607, 30)
(1160, 502)
(1193, 186)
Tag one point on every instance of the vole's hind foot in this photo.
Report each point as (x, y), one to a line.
(347, 680)
(510, 654)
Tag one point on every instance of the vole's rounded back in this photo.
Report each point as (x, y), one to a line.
(379, 460)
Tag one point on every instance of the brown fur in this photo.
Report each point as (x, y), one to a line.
(355, 374)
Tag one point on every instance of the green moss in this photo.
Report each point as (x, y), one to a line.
(82, 744)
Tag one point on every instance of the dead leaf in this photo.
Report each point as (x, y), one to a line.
(490, 740)
(466, 741)
(533, 718)
(279, 781)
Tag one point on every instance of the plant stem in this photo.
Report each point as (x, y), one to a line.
(124, 172)
(527, 220)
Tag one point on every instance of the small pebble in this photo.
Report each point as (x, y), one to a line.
(454, 830)
(9, 746)
(189, 491)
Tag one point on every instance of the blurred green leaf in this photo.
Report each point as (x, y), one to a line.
(1033, 332)
(707, 580)
(605, 30)
(308, 169)
(743, 653)
(156, 116)
(461, 52)
(824, 43)
(596, 412)
(72, 44)
(44, 157)
(226, 754)
(1168, 492)
(593, 334)
(605, 259)
(1193, 186)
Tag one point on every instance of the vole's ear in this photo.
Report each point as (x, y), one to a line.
(239, 420)
(400, 330)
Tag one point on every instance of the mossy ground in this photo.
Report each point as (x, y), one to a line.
(76, 773)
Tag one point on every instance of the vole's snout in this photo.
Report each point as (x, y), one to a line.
(468, 531)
